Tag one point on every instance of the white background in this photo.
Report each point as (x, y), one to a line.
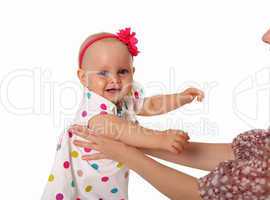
(212, 44)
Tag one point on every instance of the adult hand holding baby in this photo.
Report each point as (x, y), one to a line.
(172, 140)
(108, 148)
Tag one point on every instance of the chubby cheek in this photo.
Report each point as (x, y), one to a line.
(127, 85)
(96, 84)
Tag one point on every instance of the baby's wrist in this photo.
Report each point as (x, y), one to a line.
(161, 138)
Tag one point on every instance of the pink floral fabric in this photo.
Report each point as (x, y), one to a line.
(247, 177)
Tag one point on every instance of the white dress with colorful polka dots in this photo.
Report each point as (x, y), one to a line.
(71, 177)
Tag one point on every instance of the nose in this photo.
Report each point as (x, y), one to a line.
(115, 78)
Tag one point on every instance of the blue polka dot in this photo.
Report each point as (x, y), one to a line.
(114, 190)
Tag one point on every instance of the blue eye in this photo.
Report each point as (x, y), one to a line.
(123, 71)
(103, 73)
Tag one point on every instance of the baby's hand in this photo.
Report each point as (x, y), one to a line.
(174, 140)
(190, 94)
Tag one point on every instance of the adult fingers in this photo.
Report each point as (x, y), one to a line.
(96, 156)
(81, 131)
(85, 144)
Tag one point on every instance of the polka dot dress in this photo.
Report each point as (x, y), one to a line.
(72, 178)
(248, 176)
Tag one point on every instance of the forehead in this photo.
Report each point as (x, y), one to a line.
(107, 52)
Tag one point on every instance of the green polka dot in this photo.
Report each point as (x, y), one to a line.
(88, 95)
(72, 183)
(95, 166)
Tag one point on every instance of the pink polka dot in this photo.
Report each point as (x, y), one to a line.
(136, 94)
(59, 196)
(103, 106)
(70, 134)
(78, 198)
(84, 113)
(103, 113)
(87, 150)
(104, 179)
(66, 164)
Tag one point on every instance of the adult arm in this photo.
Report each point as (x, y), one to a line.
(205, 156)
(170, 182)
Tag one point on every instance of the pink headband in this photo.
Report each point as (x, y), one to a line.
(124, 35)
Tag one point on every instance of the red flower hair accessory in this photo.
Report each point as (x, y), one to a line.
(128, 37)
(124, 35)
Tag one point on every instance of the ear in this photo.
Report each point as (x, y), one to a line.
(82, 76)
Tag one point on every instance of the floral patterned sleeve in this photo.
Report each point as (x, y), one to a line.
(246, 177)
(131, 104)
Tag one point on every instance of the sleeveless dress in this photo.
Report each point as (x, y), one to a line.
(247, 177)
(72, 178)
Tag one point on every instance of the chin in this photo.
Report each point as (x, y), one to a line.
(115, 97)
(112, 97)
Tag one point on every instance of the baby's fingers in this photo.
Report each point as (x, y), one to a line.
(200, 96)
(177, 148)
(182, 136)
(96, 156)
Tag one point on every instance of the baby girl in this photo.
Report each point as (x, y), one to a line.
(111, 100)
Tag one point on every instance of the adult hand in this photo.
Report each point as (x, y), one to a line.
(108, 148)
(174, 140)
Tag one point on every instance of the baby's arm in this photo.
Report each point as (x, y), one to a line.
(161, 104)
(136, 135)
(205, 156)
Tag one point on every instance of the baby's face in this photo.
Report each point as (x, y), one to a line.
(107, 69)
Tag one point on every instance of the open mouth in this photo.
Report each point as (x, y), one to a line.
(113, 90)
